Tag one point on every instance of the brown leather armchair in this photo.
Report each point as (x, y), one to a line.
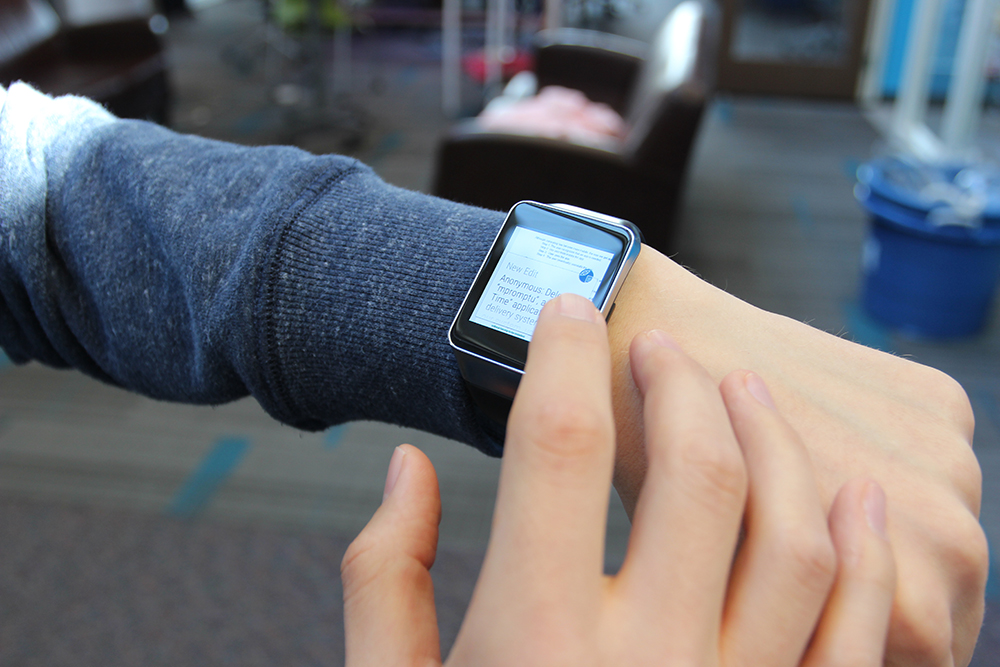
(660, 90)
(119, 64)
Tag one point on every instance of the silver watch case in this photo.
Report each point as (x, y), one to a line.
(500, 378)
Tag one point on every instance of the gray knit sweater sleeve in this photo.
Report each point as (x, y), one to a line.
(198, 271)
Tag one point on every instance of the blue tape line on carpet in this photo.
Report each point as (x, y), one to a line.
(333, 436)
(4, 361)
(211, 473)
(865, 330)
(723, 110)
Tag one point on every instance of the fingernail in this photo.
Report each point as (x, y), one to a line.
(395, 466)
(662, 338)
(577, 307)
(874, 503)
(755, 385)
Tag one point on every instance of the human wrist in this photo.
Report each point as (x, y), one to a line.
(662, 294)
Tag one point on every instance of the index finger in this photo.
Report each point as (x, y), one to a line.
(552, 501)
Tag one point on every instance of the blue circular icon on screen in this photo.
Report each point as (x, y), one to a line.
(586, 276)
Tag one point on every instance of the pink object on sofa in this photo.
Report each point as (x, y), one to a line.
(559, 113)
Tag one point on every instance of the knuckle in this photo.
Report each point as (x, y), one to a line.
(368, 564)
(935, 621)
(356, 565)
(570, 429)
(964, 473)
(875, 574)
(953, 473)
(969, 552)
(958, 540)
(951, 400)
(715, 473)
(956, 405)
(920, 636)
(809, 557)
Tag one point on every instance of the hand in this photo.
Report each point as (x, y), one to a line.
(860, 413)
(799, 591)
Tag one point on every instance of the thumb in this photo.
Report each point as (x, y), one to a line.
(389, 614)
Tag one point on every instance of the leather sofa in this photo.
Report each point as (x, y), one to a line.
(660, 90)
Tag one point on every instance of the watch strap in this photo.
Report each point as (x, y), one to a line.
(494, 406)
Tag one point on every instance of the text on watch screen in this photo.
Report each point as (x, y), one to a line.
(534, 268)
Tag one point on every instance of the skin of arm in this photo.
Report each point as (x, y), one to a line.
(860, 412)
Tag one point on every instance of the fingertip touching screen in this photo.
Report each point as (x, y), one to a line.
(539, 254)
(533, 268)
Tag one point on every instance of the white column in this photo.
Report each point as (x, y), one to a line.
(968, 80)
(871, 84)
(921, 47)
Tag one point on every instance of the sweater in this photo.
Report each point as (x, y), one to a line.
(199, 271)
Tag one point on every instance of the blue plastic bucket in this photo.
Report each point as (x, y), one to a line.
(929, 271)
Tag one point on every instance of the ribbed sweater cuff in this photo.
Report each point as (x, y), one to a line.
(357, 298)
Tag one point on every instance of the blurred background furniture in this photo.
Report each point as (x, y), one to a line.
(119, 63)
(660, 90)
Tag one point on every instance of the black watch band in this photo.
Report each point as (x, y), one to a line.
(494, 406)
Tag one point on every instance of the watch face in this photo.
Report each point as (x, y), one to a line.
(539, 254)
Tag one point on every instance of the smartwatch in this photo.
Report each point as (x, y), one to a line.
(541, 251)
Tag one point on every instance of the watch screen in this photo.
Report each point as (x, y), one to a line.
(539, 253)
(534, 267)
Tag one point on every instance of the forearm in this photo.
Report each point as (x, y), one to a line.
(197, 271)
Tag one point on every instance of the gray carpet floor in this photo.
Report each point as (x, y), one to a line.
(86, 586)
